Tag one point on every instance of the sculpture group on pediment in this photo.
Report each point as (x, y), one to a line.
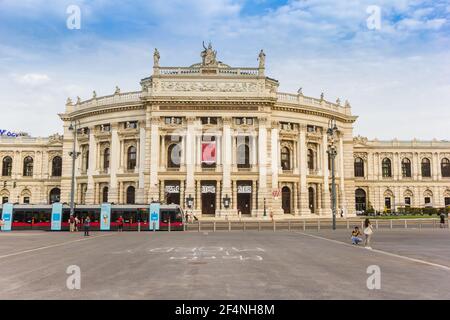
(209, 86)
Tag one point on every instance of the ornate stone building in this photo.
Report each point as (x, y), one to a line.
(216, 134)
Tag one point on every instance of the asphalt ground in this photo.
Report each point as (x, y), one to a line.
(413, 264)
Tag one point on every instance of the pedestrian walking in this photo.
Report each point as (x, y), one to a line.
(72, 224)
(368, 231)
(77, 224)
(87, 224)
(442, 216)
(239, 214)
(120, 224)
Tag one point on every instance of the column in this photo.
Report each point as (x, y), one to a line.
(140, 194)
(326, 204)
(295, 198)
(154, 156)
(341, 173)
(218, 198)
(226, 157)
(198, 200)
(263, 192)
(234, 201)
(275, 155)
(304, 207)
(163, 160)
(370, 171)
(253, 211)
(114, 165)
(190, 155)
(91, 170)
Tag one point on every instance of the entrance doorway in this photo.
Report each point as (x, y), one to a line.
(244, 197)
(286, 199)
(208, 197)
(172, 191)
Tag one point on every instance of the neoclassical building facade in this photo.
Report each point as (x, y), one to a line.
(224, 140)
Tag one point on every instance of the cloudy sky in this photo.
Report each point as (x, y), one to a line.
(396, 77)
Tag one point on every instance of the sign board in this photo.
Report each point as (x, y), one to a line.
(209, 189)
(209, 152)
(105, 215)
(57, 209)
(276, 193)
(172, 189)
(244, 189)
(7, 216)
(154, 216)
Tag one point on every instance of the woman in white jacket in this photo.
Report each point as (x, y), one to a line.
(368, 231)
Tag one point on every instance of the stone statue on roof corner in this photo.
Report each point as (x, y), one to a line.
(262, 59)
(156, 58)
(208, 56)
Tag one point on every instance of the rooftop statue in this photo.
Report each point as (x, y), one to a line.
(156, 58)
(262, 59)
(208, 56)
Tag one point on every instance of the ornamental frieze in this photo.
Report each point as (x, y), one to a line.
(207, 86)
(362, 155)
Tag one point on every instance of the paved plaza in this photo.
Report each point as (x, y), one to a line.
(414, 264)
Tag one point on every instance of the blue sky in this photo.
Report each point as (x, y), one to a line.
(397, 77)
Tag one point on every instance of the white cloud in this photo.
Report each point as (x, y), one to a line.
(31, 79)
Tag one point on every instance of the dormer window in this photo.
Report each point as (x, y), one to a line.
(209, 120)
(105, 127)
(286, 126)
(311, 128)
(131, 125)
(173, 120)
(244, 121)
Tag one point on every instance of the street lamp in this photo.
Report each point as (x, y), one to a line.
(190, 201)
(331, 133)
(74, 155)
(226, 201)
(265, 211)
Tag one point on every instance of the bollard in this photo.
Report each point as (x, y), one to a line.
(199, 226)
(244, 225)
(184, 226)
(406, 224)
(362, 225)
(274, 226)
(318, 225)
(139, 226)
(214, 226)
(420, 225)
(229, 225)
(168, 227)
(304, 225)
(434, 224)
(376, 224)
(259, 225)
(348, 224)
(154, 226)
(390, 224)
(289, 225)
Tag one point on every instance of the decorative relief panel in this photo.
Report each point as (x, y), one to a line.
(362, 155)
(207, 86)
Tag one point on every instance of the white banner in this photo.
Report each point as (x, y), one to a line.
(173, 189)
(208, 189)
(244, 189)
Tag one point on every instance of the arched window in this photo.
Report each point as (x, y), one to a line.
(360, 199)
(55, 195)
(426, 167)
(28, 167)
(130, 195)
(6, 166)
(105, 194)
(106, 159)
(386, 168)
(359, 167)
(243, 156)
(131, 158)
(311, 199)
(445, 168)
(310, 159)
(285, 158)
(174, 156)
(406, 168)
(56, 167)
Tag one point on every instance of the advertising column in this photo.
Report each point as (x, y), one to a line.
(105, 214)
(154, 216)
(56, 216)
(7, 216)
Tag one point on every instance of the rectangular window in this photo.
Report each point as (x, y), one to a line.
(131, 125)
(105, 127)
(387, 202)
(447, 201)
(173, 120)
(407, 201)
(241, 121)
(311, 128)
(427, 200)
(26, 200)
(4, 200)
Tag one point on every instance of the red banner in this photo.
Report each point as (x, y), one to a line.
(209, 152)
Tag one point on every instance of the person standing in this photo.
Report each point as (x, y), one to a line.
(120, 224)
(442, 217)
(368, 231)
(87, 224)
(77, 223)
(72, 224)
(1, 225)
